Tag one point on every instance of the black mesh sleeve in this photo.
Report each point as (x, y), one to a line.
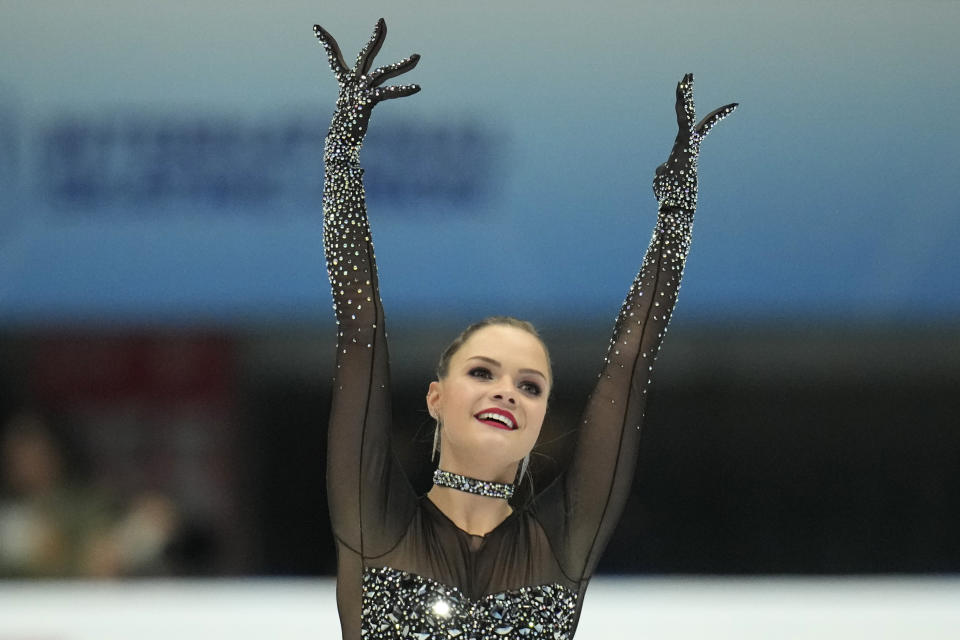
(580, 510)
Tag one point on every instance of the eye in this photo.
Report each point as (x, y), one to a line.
(480, 372)
(531, 387)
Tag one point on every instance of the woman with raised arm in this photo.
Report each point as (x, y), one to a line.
(460, 562)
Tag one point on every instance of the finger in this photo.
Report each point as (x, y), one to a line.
(378, 76)
(712, 118)
(685, 110)
(398, 91)
(333, 51)
(369, 52)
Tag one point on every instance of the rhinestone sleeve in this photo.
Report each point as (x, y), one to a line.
(600, 476)
(349, 252)
(598, 481)
(363, 477)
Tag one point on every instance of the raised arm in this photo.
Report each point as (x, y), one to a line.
(363, 477)
(597, 483)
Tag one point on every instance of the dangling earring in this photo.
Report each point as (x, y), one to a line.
(523, 468)
(436, 442)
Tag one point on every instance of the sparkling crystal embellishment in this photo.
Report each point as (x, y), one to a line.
(397, 604)
(472, 485)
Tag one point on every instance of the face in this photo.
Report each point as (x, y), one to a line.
(494, 398)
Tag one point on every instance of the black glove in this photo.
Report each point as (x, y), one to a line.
(675, 183)
(360, 90)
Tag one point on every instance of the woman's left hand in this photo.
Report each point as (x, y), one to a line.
(675, 183)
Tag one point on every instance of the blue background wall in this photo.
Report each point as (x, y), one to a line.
(160, 164)
(163, 295)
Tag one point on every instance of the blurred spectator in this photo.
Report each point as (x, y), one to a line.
(53, 525)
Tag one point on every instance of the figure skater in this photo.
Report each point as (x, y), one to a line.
(460, 561)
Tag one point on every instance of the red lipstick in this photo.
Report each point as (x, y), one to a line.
(499, 418)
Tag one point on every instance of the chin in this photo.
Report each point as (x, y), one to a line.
(495, 451)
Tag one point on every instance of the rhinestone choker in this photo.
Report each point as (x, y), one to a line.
(472, 485)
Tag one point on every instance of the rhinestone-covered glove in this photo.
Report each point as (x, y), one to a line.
(675, 183)
(360, 91)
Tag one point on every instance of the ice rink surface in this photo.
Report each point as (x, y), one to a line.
(615, 608)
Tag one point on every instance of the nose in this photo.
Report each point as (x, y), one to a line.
(505, 392)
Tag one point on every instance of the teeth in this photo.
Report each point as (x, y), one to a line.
(496, 416)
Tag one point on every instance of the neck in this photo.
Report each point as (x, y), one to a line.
(475, 514)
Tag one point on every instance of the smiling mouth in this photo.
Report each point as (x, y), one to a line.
(498, 419)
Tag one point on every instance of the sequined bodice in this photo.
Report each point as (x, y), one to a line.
(397, 604)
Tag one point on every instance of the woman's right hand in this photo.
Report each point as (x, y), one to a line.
(360, 90)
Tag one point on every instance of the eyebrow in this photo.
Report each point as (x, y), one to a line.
(497, 364)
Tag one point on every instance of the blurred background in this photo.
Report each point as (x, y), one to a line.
(166, 332)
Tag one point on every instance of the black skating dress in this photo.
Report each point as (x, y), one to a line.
(405, 570)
